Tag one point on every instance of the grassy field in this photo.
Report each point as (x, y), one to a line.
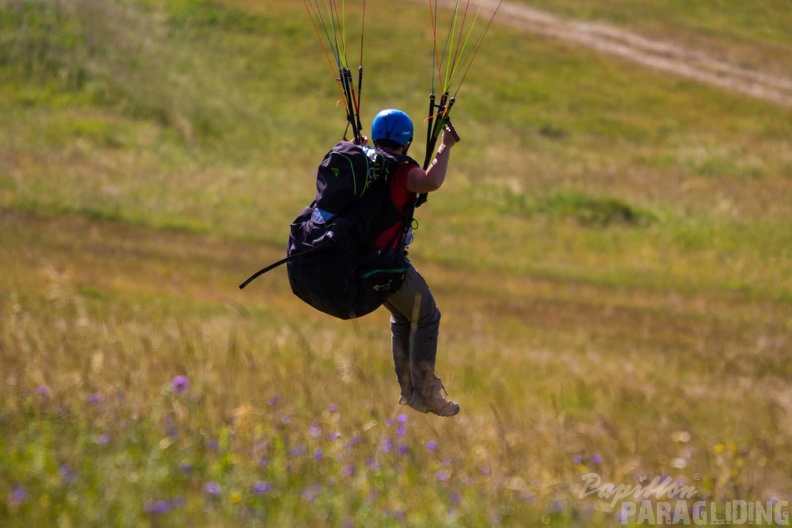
(612, 254)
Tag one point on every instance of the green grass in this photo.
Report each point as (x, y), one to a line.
(610, 253)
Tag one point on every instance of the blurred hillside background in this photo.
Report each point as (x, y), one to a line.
(612, 254)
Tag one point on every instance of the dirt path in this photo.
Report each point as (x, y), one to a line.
(657, 54)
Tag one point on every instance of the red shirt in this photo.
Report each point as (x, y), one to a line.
(404, 201)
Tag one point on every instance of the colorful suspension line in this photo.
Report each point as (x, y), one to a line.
(329, 21)
(462, 43)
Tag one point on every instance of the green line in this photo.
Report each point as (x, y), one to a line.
(374, 272)
(450, 49)
(467, 38)
(331, 10)
(317, 13)
(343, 29)
(352, 169)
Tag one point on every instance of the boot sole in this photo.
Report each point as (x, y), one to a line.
(427, 410)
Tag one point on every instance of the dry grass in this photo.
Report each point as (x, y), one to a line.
(551, 376)
(611, 259)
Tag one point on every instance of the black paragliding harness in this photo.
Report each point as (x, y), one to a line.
(332, 262)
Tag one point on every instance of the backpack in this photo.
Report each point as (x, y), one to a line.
(332, 260)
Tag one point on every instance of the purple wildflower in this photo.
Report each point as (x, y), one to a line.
(186, 467)
(431, 445)
(443, 475)
(372, 464)
(299, 450)
(400, 431)
(212, 488)
(333, 436)
(556, 507)
(180, 384)
(263, 461)
(348, 470)
(402, 418)
(310, 493)
(332, 408)
(67, 473)
(212, 445)
(318, 454)
(261, 487)
(387, 444)
(42, 390)
(104, 439)
(401, 449)
(314, 431)
(158, 507)
(95, 397)
(485, 470)
(577, 459)
(17, 496)
(596, 458)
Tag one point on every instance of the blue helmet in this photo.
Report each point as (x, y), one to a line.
(392, 125)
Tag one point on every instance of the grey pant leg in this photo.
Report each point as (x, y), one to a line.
(400, 347)
(415, 325)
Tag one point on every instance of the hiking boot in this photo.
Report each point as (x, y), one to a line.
(432, 398)
(402, 367)
(405, 383)
(406, 392)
